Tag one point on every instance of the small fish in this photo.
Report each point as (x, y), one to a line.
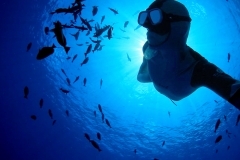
(95, 145)
(77, 78)
(68, 58)
(163, 143)
(229, 56)
(54, 122)
(45, 52)
(103, 17)
(137, 27)
(74, 57)
(79, 44)
(215, 101)
(88, 33)
(107, 122)
(114, 11)
(100, 48)
(67, 113)
(33, 117)
(126, 24)
(238, 118)
(64, 72)
(110, 33)
(136, 12)
(96, 47)
(129, 59)
(29, 46)
(41, 103)
(85, 61)
(101, 81)
(95, 10)
(46, 30)
(95, 114)
(64, 91)
(91, 20)
(122, 30)
(102, 117)
(225, 117)
(99, 136)
(135, 151)
(218, 139)
(168, 113)
(50, 113)
(68, 81)
(76, 35)
(26, 92)
(87, 136)
(98, 41)
(100, 108)
(88, 50)
(217, 125)
(84, 82)
(228, 148)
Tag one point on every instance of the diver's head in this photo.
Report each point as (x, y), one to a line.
(164, 16)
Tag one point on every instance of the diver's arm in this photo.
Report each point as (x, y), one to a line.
(143, 74)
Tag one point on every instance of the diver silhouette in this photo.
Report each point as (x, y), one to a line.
(175, 69)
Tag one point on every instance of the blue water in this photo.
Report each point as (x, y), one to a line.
(137, 113)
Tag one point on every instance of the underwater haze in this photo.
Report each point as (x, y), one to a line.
(139, 123)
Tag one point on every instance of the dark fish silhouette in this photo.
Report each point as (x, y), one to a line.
(68, 58)
(107, 122)
(122, 30)
(215, 101)
(75, 56)
(68, 81)
(238, 118)
(137, 27)
(99, 136)
(229, 56)
(41, 103)
(33, 117)
(64, 91)
(54, 122)
(64, 72)
(168, 113)
(45, 52)
(129, 59)
(110, 33)
(101, 81)
(82, 28)
(88, 50)
(114, 11)
(26, 92)
(135, 151)
(88, 33)
(100, 48)
(102, 117)
(29, 46)
(95, 114)
(98, 41)
(79, 44)
(85, 61)
(60, 36)
(96, 47)
(100, 31)
(95, 145)
(76, 35)
(91, 20)
(228, 148)
(103, 17)
(84, 21)
(77, 78)
(225, 117)
(217, 125)
(218, 139)
(126, 24)
(46, 30)
(87, 136)
(50, 113)
(163, 143)
(95, 10)
(67, 113)
(84, 81)
(100, 108)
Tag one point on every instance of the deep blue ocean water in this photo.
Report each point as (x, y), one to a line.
(137, 113)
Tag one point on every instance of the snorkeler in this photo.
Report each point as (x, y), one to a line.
(175, 69)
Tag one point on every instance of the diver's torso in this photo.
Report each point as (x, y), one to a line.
(171, 72)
